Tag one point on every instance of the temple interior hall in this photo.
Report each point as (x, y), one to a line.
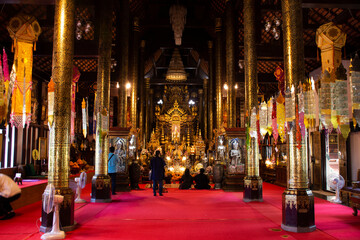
(179, 119)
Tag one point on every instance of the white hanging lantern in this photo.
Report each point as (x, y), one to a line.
(263, 118)
(355, 87)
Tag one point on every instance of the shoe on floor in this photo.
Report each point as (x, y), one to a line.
(155, 194)
(160, 194)
(9, 215)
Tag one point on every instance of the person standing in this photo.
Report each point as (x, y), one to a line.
(113, 164)
(9, 192)
(157, 165)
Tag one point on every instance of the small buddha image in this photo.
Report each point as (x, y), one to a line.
(132, 146)
(235, 152)
(221, 149)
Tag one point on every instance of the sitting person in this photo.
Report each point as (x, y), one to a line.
(9, 192)
(201, 180)
(186, 180)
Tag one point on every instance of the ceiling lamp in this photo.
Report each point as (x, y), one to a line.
(177, 19)
(176, 71)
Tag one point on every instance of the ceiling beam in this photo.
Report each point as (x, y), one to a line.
(275, 53)
(43, 2)
(162, 81)
(349, 4)
(86, 49)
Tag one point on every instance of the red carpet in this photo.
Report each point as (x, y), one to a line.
(187, 214)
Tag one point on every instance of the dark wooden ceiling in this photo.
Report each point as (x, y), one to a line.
(199, 29)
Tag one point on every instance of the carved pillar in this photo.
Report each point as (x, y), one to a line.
(218, 75)
(297, 200)
(230, 62)
(252, 181)
(142, 93)
(59, 142)
(147, 109)
(134, 72)
(151, 108)
(206, 116)
(124, 19)
(201, 107)
(101, 187)
(210, 98)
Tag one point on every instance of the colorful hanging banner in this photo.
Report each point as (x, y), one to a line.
(51, 102)
(355, 87)
(280, 115)
(290, 104)
(75, 79)
(24, 30)
(275, 132)
(269, 117)
(21, 97)
(2, 95)
(325, 101)
(301, 113)
(280, 77)
(84, 108)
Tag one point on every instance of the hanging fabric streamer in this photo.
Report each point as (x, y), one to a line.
(355, 87)
(94, 117)
(76, 76)
(290, 107)
(339, 102)
(279, 74)
(24, 30)
(275, 132)
(2, 95)
(280, 115)
(21, 98)
(263, 119)
(325, 101)
(84, 117)
(269, 116)
(309, 103)
(253, 123)
(51, 99)
(301, 113)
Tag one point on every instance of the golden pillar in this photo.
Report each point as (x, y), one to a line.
(211, 91)
(297, 200)
(124, 19)
(230, 63)
(218, 73)
(59, 139)
(205, 118)
(147, 109)
(142, 93)
(101, 187)
(252, 181)
(201, 105)
(134, 72)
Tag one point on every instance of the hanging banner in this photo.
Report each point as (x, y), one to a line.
(21, 97)
(24, 30)
(280, 115)
(279, 74)
(274, 126)
(75, 79)
(84, 107)
(2, 95)
(51, 102)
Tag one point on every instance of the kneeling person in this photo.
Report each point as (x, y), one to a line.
(201, 180)
(9, 192)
